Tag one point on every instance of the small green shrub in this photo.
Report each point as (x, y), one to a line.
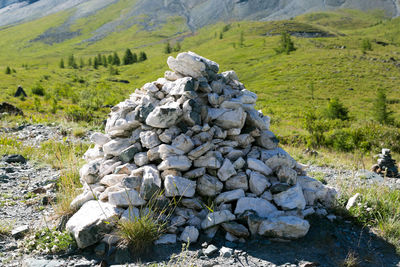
(38, 90)
(336, 110)
(76, 114)
(286, 44)
(49, 241)
(5, 227)
(8, 70)
(366, 46)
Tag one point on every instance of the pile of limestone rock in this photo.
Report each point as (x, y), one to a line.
(195, 136)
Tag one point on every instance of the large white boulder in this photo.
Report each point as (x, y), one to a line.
(92, 221)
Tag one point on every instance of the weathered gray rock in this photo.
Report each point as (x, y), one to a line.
(193, 65)
(164, 116)
(181, 163)
(112, 179)
(257, 119)
(116, 146)
(149, 139)
(141, 159)
(287, 175)
(238, 181)
(229, 196)
(166, 239)
(200, 150)
(236, 229)
(130, 214)
(169, 134)
(289, 227)
(90, 171)
(128, 154)
(167, 150)
(258, 183)
(259, 166)
(211, 160)
(267, 140)
(125, 197)
(231, 119)
(216, 218)
(179, 186)
(262, 207)
(183, 142)
(99, 139)
(239, 163)
(291, 199)
(195, 173)
(190, 234)
(226, 171)
(208, 185)
(91, 221)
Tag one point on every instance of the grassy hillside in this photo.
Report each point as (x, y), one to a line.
(335, 66)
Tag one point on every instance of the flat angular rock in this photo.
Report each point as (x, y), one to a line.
(116, 146)
(200, 150)
(166, 239)
(112, 179)
(195, 173)
(190, 234)
(208, 185)
(258, 183)
(181, 163)
(259, 166)
(216, 218)
(211, 160)
(125, 197)
(179, 186)
(99, 139)
(236, 229)
(292, 198)
(238, 181)
(239, 163)
(262, 207)
(288, 227)
(91, 221)
(226, 171)
(167, 150)
(229, 196)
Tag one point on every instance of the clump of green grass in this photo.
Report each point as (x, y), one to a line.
(351, 260)
(139, 233)
(5, 227)
(49, 241)
(378, 208)
(318, 176)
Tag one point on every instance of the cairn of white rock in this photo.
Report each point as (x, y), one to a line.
(196, 135)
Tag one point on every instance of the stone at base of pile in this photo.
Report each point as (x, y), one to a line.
(195, 136)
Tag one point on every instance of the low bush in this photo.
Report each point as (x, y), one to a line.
(76, 114)
(49, 241)
(38, 90)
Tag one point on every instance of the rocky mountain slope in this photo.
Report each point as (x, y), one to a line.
(197, 13)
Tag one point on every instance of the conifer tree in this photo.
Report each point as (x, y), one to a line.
(95, 63)
(110, 59)
(90, 62)
(286, 44)
(142, 56)
(381, 111)
(104, 61)
(99, 59)
(116, 60)
(8, 70)
(62, 63)
(81, 63)
(134, 58)
(128, 57)
(167, 48)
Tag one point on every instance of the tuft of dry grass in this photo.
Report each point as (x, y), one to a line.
(351, 260)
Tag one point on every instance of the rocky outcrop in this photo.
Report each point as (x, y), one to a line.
(195, 136)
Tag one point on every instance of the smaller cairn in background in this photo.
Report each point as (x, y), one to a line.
(386, 165)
